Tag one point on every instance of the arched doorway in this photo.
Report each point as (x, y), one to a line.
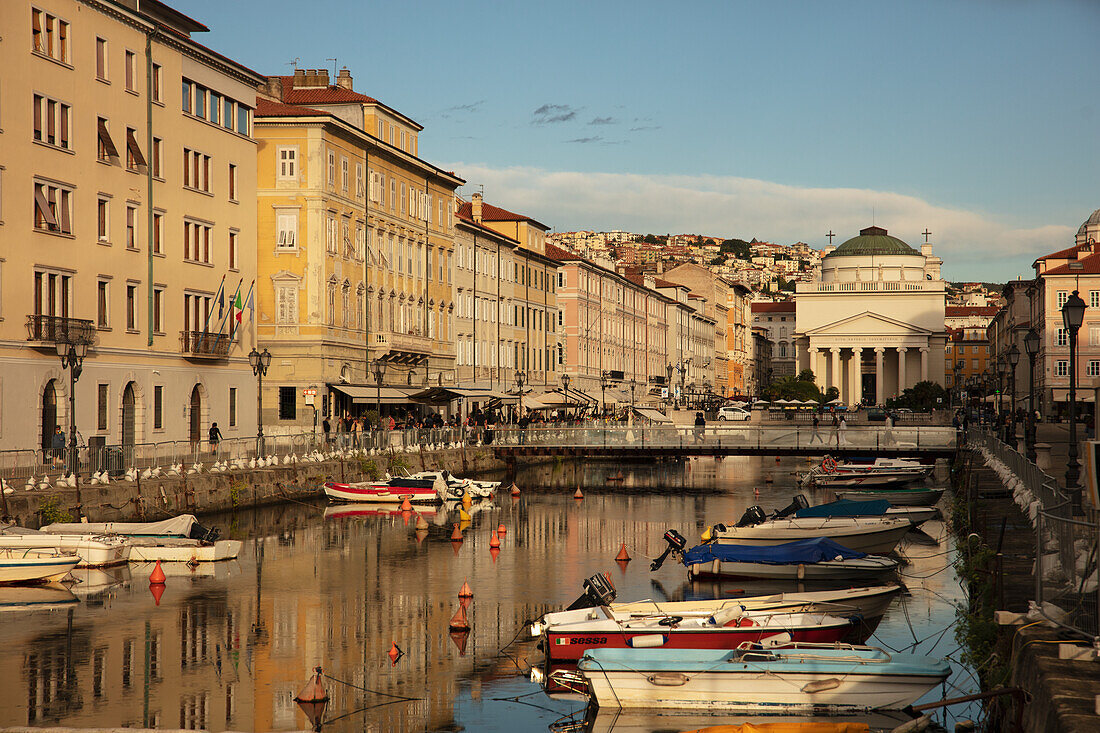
(196, 417)
(128, 418)
(49, 418)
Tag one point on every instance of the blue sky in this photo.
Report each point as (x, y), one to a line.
(783, 120)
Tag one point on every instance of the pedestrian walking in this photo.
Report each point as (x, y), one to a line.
(700, 427)
(214, 435)
(816, 435)
(840, 432)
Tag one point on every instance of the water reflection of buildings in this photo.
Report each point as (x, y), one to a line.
(230, 651)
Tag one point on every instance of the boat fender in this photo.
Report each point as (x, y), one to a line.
(829, 683)
(705, 537)
(667, 679)
(647, 641)
(776, 640)
(727, 616)
(801, 571)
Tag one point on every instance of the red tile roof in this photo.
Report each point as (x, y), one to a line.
(495, 213)
(959, 311)
(666, 284)
(553, 251)
(267, 108)
(330, 94)
(1089, 265)
(783, 306)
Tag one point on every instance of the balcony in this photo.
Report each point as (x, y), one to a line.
(204, 345)
(45, 331)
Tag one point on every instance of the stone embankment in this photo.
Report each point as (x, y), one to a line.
(204, 492)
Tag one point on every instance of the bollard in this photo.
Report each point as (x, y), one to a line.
(1042, 456)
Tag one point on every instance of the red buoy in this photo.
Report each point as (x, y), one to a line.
(465, 592)
(577, 494)
(494, 541)
(623, 554)
(515, 490)
(459, 622)
(157, 589)
(314, 691)
(157, 576)
(494, 552)
(459, 638)
(406, 505)
(501, 530)
(456, 534)
(394, 653)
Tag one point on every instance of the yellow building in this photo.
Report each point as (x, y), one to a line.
(355, 238)
(127, 172)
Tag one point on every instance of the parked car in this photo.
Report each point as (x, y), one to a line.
(731, 412)
(876, 414)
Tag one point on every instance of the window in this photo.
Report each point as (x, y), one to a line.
(131, 227)
(331, 168)
(287, 230)
(402, 197)
(344, 173)
(331, 304)
(286, 403)
(158, 156)
(131, 71)
(186, 103)
(101, 407)
(53, 208)
(158, 233)
(52, 121)
(131, 307)
(102, 302)
(393, 193)
(101, 59)
(227, 114)
(1062, 337)
(103, 223)
(288, 163)
(1094, 335)
(158, 407)
(561, 279)
(158, 309)
(1094, 299)
(1063, 296)
(243, 118)
(1092, 369)
(196, 171)
(52, 293)
(1061, 368)
(215, 107)
(200, 102)
(232, 182)
(156, 83)
(105, 150)
(232, 407)
(330, 235)
(134, 159)
(196, 242)
(359, 180)
(233, 251)
(50, 36)
(286, 306)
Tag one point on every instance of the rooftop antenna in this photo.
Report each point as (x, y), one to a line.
(294, 63)
(481, 189)
(334, 72)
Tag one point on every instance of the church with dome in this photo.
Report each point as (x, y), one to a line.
(872, 323)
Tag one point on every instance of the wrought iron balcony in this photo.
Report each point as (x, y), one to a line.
(50, 330)
(205, 345)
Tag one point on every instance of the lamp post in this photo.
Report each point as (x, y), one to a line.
(1002, 379)
(683, 378)
(1031, 346)
(72, 353)
(668, 381)
(379, 368)
(565, 388)
(259, 363)
(1073, 315)
(633, 384)
(1012, 358)
(605, 380)
(520, 377)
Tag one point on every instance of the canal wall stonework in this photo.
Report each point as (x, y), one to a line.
(207, 493)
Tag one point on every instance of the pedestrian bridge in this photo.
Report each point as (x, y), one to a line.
(620, 441)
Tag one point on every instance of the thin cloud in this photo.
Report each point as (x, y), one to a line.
(585, 140)
(973, 244)
(468, 108)
(604, 121)
(552, 113)
(643, 128)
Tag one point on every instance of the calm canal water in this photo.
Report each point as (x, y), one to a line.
(230, 645)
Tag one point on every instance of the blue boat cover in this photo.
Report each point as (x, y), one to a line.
(813, 550)
(846, 508)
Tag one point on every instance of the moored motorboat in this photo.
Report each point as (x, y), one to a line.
(35, 565)
(459, 487)
(869, 508)
(866, 602)
(723, 629)
(813, 559)
(802, 678)
(830, 474)
(179, 539)
(395, 489)
(896, 497)
(874, 534)
(94, 550)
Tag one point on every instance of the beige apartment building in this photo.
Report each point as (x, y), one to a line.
(710, 365)
(506, 311)
(355, 252)
(127, 175)
(738, 337)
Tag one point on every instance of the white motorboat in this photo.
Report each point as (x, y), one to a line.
(179, 539)
(896, 497)
(459, 487)
(870, 507)
(94, 550)
(819, 558)
(34, 565)
(804, 678)
(867, 603)
(865, 534)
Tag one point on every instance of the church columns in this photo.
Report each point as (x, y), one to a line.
(835, 377)
(924, 364)
(818, 377)
(856, 376)
(880, 375)
(901, 369)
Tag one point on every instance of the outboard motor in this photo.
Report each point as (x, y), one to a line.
(676, 543)
(204, 534)
(799, 502)
(598, 591)
(753, 515)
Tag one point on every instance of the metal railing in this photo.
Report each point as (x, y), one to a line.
(1067, 591)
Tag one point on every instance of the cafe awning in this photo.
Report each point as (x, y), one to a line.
(447, 395)
(653, 415)
(1083, 394)
(367, 395)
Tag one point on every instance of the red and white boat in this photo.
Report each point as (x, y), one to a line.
(722, 630)
(396, 489)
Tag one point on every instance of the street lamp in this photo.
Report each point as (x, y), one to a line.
(520, 376)
(605, 382)
(633, 384)
(259, 363)
(72, 355)
(668, 381)
(1073, 315)
(1013, 358)
(379, 373)
(1031, 346)
(1002, 379)
(565, 388)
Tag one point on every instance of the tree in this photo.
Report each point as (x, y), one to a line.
(650, 239)
(806, 375)
(739, 248)
(922, 396)
(831, 394)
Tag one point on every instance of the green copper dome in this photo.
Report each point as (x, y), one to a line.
(873, 241)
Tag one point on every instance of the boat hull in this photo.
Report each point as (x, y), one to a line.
(93, 553)
(864, 479)
(877, 536)
(184, 552)
(381, 493)
(857, 569)
(27, 566)
(910, 497)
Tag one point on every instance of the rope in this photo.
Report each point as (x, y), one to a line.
(375, 692)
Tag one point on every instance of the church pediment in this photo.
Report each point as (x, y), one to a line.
(869, 324)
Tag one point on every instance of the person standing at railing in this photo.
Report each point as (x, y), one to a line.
(214, 435)
(326, 430)
(57, 445)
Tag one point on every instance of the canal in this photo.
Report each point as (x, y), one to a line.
(229, 645)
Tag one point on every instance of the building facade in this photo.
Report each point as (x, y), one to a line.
(356, 250)
(128, 171)
(778, 321)
(873, 325)
(738, 337)
(712, 303)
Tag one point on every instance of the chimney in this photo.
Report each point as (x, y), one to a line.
(343, 79)
(660, 266)
(299, 77)
(475, 207)
(322, 77)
